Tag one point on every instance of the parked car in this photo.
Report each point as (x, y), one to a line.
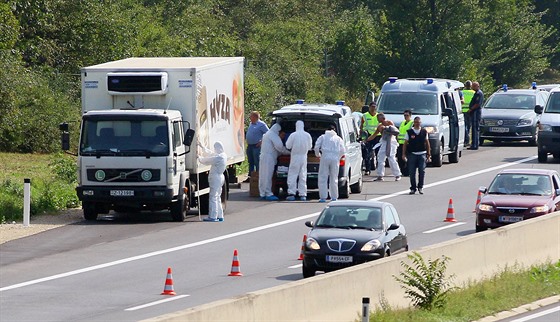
(549, 127)
(546, 87)
(352, 232)
(508, 115)
(518, 194)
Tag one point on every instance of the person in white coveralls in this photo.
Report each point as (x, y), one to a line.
(330, 148)
(271, 148)
(217, 161)
(299, 142)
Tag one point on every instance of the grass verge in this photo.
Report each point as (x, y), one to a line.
(53, 182)
(511, 288)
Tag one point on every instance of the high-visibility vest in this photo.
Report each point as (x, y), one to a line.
(467, 97)
(402, 130)
(370, 123)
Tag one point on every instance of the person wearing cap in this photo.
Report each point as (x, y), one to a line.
(329, 147)
(368, 126)
(468, 94)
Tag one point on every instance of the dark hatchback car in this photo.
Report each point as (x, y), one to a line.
(352, 232)
(518, 194)
(508, 115)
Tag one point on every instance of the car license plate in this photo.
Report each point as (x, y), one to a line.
(122, 193)
(510, 219)
(499, 129)
(339, 259)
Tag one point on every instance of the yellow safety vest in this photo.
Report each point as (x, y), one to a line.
(467, 97)
(370, 123)
(402, 130)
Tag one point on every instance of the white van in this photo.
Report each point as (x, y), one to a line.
(548, 139)
(317, 118)
(437, 102)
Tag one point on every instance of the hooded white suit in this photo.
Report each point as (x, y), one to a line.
(217, 161)
(299, 142)
(330, 148)
(388, 150)
(271, 147)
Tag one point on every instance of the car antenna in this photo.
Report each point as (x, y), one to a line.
(168, 105)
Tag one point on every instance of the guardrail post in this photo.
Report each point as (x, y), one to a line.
(365, 309)
(26, 201)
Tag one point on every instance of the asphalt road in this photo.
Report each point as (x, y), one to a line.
(115, 269)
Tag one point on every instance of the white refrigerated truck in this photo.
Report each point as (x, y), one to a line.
(145, 120)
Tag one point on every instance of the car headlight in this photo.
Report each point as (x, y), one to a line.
(371, 245)
(545, 127)
(544, 208)
(431, 129)
(525, 122)
(483, 207)
(311, 243)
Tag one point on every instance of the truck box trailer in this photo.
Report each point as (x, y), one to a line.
(145, 121)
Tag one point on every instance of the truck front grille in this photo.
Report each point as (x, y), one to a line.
(122, 175)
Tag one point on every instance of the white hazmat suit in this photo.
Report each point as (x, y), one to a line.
(388, 150)
(299, 142)
(217, 161)
(330, 148)
(271, 147)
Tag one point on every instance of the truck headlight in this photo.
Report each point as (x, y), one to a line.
(525, 122)
(545, 127)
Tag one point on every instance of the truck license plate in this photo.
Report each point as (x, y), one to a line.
(510, 219)
(339, 259)
(122, 193)
(499, 129)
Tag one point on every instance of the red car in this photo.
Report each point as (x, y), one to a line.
(518, 194)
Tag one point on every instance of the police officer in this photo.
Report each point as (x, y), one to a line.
(368, 127)
(405, 125)
(468, 94)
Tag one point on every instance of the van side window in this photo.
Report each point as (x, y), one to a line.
(442, 104)
(351, 130)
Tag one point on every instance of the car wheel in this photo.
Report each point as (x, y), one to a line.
(556, 155)
(357, 187)
(478, 229)
(437, 159)
(90, 211)
(454, 157)
(307, 271)
(344, 190)
(542, 156)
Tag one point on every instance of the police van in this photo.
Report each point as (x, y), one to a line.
(317, 118)
(437, 102)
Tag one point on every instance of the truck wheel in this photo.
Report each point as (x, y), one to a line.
(180, 208)
(542, 156)
(437, 159)
(90, 212)
(454, 157)
(357, 187)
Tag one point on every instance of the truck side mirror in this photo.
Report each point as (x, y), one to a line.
(539, 109)
(189, 137)
(65, 139)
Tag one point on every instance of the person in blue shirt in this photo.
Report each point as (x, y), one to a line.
(255, 132)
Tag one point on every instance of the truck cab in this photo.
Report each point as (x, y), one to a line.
(317, 118)
(437, 102)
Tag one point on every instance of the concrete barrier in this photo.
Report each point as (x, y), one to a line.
(337, 296)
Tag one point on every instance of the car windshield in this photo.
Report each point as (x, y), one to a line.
(521, 184)
(511, 101)
(553, 105)
(418, 103)
(351, 217)
(124, 137)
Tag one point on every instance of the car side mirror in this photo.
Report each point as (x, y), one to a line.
(558, 192)
(482, 189)
(393, 227)
(447, 112)
(309, 224)
(539, 109)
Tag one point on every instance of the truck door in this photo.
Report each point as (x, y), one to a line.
(179, 152)
(445, 120)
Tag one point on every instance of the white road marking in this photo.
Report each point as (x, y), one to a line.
(236, 234)
(536, 315)
(156, 303)
(296, 266)
(443, 227)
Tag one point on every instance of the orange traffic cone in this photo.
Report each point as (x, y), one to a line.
(450, 212)
(302, 247)
(477, 200)
(168, 288)
(235, 265)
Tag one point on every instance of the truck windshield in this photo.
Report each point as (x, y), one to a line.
(418, 103)
(124, 137)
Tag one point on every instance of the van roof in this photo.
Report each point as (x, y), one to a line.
(317, 109)
(421, 85)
